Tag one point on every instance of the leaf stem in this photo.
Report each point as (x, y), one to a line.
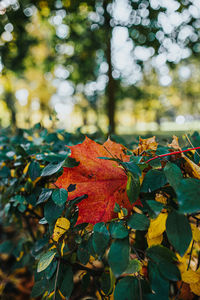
(57, 271)
(172, 153)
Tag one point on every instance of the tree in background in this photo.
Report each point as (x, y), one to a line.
(83, 41)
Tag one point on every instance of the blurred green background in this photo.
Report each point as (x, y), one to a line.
(117, 66)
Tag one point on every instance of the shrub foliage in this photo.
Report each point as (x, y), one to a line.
(150, 252)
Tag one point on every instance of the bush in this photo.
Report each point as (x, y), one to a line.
(143, 245)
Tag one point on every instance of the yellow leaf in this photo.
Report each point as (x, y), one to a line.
(146, 144)
(20, 256)
(62, 247)
(157, 226)
(26, 168)
(195, 288)
(161, 198)
(191, 168)
(195, 233)
(12, 172)
(190, 276)
(121, 214)
(154, 241)
(61, 295)
(61, 226)
(175, 143)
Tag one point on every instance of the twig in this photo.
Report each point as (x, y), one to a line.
(140, 289)
(190, 257)
(172, 153)
(189, 141)
(57, 271)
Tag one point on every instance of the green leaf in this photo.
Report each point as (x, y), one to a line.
(118, 257)
(5, 172)
(131, 167)
(83, 254)
(39, 288)
(134, 266)
(52, 211)
(169, 271)
(70, 163)
(130, 288)
(155, 206)
(6, 247)
(34, 170)
(153, 180)
(100, 238)
(117, 208)
(52, 168)
(67, 283)
(173, 174)
(188, 192)
(118, 230)
(138, 222)
(44, 195)
(50, 270)
(45, 260)
(179, 232)
(133, 187)
(59, 196)
(105, 282)
(158, 284)
(160, 254)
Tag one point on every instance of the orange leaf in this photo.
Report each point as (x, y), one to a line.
(102, 180)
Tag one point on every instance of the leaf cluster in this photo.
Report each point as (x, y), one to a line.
(144, 254)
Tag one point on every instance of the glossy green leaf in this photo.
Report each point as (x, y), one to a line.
(131, 288)
(138, 222)
(44, 195)
(179, 232)
(34, 170)
(52, 168)
(67, 283)
(133, 187)
(160, 253)
(118, 230)
(134, 266)
(169, 271)
(118, 257)
(153, 180)
(45, 260)
(100, 238)
(188, 192)
(52, 211)
(59, 196)
(173, 174)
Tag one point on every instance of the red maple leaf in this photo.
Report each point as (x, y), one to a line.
(104, 181)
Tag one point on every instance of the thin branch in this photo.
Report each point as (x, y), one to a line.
(57, 272)
(172, 153)
(189, 141)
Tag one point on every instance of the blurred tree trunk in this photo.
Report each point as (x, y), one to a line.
(110, 89)
(10, 101)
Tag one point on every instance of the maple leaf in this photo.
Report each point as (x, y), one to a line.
(104, 181)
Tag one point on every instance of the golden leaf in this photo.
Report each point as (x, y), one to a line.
(161, 198)
(191, 168)
(190, 276)
(195, 233)
(154, 241)
(157, 226)
(61, 226)
(174, 144)
(146, 144)
(195, 288)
